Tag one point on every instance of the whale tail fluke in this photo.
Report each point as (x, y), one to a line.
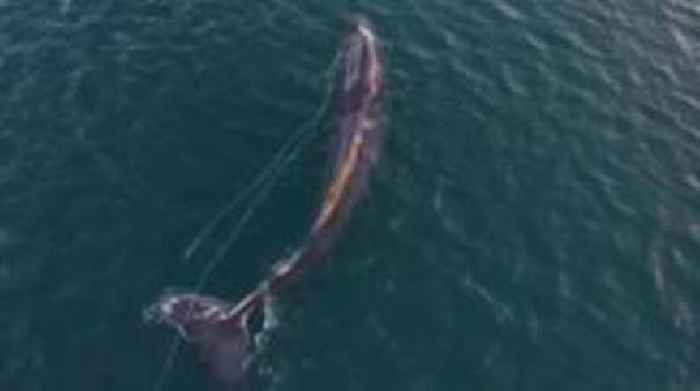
(213, 328)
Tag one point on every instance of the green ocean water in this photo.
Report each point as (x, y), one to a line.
(534, 223)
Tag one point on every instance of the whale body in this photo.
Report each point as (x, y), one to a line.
(218, 329)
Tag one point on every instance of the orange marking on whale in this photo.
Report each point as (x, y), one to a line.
(340, 184)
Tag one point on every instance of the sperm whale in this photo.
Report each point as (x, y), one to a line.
(219, 330)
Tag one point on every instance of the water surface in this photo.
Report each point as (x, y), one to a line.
(534, 223)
